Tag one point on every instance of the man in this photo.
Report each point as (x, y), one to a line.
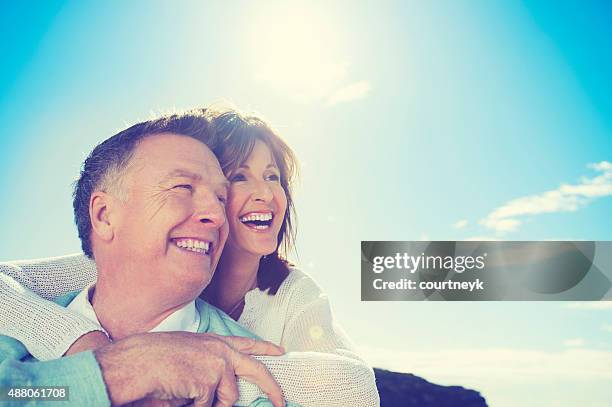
(149, 209)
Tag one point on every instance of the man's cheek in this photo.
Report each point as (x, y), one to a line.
(172, 211)
(223, 234)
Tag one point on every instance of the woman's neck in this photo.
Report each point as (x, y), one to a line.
(236, 274)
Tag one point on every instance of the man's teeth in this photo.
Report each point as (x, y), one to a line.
(256, 216)
(198, 246)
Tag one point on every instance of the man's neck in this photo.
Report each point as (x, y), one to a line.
(123, 312)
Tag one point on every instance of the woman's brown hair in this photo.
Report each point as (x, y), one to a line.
(237, 134)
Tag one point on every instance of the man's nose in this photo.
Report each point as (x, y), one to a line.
(210, 211)
(262, 192)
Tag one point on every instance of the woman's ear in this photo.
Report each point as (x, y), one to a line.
(100, 212)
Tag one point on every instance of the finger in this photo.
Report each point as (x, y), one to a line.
(227, 390)
(252, 346)
(205, 396)
(178, 402)
(204, 401)
(256, 372)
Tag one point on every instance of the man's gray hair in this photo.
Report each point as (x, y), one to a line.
(105, 166)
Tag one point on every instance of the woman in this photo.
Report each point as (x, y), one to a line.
(253, 283)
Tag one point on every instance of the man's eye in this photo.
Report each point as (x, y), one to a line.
(237, 177)
(184, 186)
(222, 199)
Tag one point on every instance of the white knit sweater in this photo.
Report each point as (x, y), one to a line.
(320, 368)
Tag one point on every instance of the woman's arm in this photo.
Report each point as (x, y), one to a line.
(46, 329)
(321, 367)
(309, 324)
(318, 379)
(311, 327)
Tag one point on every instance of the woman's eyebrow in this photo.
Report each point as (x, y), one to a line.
(271, 165)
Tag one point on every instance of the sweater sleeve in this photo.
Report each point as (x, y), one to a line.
(310, 325)
(313, 379)
(46, 329)
(321, 367)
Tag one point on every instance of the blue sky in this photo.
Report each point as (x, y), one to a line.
(412, 120)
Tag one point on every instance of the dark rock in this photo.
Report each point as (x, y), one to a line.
(408, 390)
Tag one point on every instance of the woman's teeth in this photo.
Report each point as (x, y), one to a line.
(256, 216)
(259, 221)
(193, 245)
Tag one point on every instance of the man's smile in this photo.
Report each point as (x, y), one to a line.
(194, 245)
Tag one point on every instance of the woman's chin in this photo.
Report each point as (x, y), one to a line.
(262, 249)
(260, 246)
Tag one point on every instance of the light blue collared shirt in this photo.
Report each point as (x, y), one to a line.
(81, 372)
(185, 319)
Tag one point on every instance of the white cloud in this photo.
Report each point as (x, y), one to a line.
(574, 343)
(591, 305)
(354, 91)
(460, 224)
(607, 327)
(566, 198)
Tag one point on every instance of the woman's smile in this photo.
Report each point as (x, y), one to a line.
(256, 203)
(258, 221)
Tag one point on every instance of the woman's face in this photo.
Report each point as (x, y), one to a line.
(256, 203)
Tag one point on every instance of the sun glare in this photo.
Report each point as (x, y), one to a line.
(297, 51)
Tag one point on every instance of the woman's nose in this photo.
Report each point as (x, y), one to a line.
(262, 192)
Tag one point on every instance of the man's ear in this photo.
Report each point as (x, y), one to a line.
(101, 210)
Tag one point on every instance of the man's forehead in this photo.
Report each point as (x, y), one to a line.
(168, 154)
(213, 174)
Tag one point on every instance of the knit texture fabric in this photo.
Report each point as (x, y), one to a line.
(320, 359)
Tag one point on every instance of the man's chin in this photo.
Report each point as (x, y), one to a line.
(190, 284)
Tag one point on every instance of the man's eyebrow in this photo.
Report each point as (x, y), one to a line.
(181, 173)
(224, 183)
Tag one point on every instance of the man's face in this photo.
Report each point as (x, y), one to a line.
(171, 229)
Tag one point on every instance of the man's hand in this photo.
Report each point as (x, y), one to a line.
(183, 365)
(90, 341)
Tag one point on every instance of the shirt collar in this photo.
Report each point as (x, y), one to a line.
(185, 318)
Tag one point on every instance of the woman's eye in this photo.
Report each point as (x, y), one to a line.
(273, 177)
(237, 177)
(184, 186)
(222, 199)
